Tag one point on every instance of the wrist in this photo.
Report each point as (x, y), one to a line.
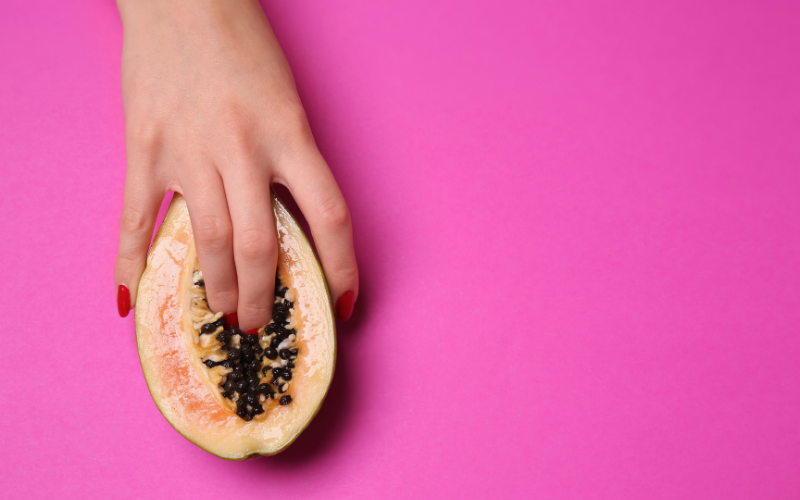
(140, 14)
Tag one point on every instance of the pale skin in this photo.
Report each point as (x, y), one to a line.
(212, 112)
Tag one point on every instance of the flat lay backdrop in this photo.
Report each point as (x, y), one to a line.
(578, 227)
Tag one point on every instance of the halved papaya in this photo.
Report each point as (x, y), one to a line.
(234, 395)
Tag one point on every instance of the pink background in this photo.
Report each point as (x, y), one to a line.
(578, 226)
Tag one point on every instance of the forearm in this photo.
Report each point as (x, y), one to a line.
(209, 25)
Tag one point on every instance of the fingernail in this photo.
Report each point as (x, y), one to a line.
(231, 319)
(344, 306)
(123, 300)
(252, 331)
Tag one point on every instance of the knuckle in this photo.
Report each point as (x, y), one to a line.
(348, 275)
(144, 135)
(127, 262)
(235, 123)
(213, 233)
(134, 220)
(223, 299)
(254, 244)
(334, 214)
(251, 308)
(296, 118)
(295, 126)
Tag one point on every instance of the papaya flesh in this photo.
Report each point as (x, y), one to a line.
(187, 383)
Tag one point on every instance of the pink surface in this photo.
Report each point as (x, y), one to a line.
(578, 225)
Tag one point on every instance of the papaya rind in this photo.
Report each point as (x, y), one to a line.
(143, 330)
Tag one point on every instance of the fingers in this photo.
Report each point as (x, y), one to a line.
(255, 245)
(315, 190)
(213, 235)
(235, 236)
(139, 212)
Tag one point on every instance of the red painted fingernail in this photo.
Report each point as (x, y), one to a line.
(344, 306)
(231, 319)
(252, 331)
(123, 300)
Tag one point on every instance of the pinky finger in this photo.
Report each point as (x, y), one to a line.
(313, 187)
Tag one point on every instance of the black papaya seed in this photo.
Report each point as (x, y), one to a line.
(270, 353)
(286, 374)
(285, 400)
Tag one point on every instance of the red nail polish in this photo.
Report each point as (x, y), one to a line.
(344, 306)
(231, 319)
(123, 300)
(252, 331)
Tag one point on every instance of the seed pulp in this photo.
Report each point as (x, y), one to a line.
(260, 364)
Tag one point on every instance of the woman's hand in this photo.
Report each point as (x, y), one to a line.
(212, 112)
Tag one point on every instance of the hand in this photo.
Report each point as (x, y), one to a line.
(212, 112)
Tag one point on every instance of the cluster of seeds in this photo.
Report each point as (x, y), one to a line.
(258, 366)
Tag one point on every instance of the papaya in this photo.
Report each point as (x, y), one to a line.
(236, 395)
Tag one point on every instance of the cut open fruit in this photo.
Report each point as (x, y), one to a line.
(234, 395)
